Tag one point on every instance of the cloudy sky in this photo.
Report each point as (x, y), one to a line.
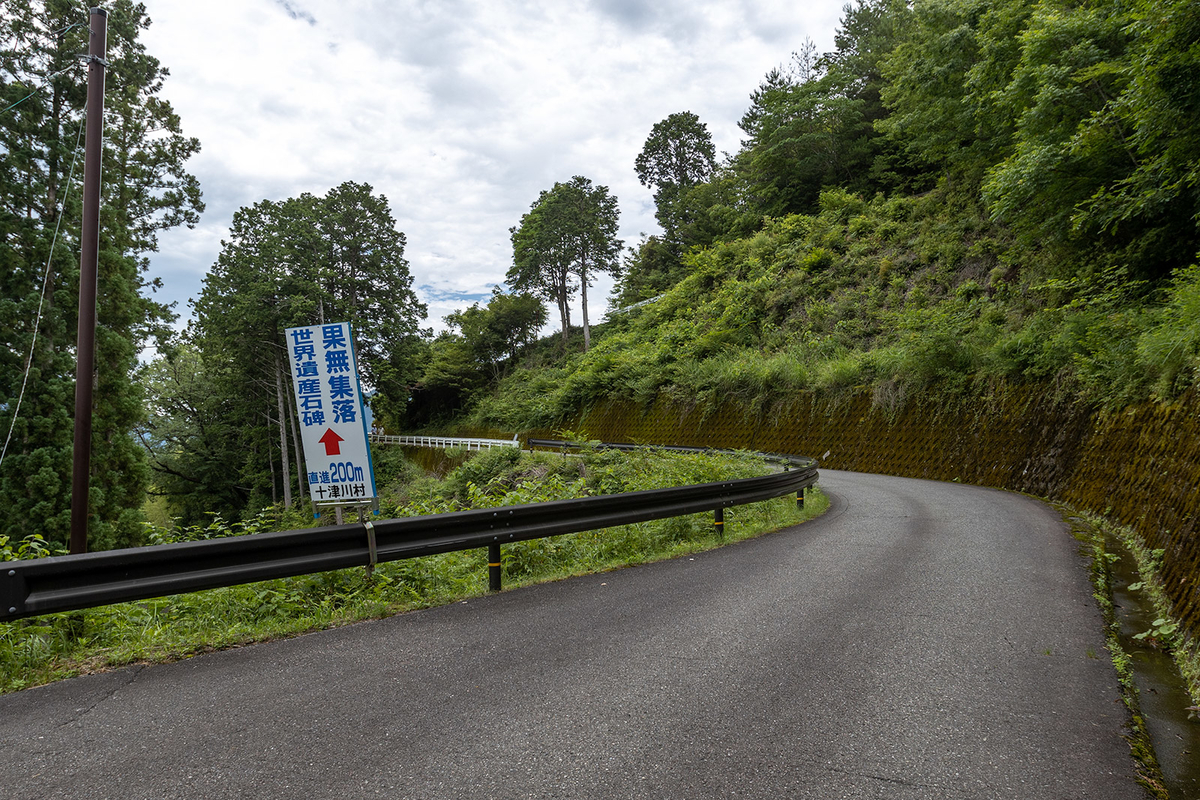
(459, 111)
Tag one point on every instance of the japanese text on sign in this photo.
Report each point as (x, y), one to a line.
(329, 404)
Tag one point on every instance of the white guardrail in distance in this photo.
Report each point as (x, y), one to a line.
(444, 442)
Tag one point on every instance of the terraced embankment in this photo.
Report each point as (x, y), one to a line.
(1140, 466)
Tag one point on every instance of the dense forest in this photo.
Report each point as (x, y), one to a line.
(960, 193)
(221, 433)
(208, 425)
(146, 189)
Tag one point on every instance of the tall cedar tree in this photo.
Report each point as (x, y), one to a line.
(811, 125)
(569, 233)
(677, 155)
(301, 261)
(145, 190)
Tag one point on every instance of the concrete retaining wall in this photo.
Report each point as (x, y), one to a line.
(1140, 466)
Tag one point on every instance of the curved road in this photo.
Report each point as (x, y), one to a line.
(920, 640)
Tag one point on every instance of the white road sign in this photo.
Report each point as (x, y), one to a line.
(332, 424)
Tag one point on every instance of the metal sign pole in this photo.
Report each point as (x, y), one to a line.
(85, 372)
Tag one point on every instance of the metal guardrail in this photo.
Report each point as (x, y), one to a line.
(776, 458)
(67, 583)
(442, 441)
(613, 311)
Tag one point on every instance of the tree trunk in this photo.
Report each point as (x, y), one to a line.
(301, 475)
(52, 156)
(283, 443)
(564, 312)
(587, 331)
(271, 461)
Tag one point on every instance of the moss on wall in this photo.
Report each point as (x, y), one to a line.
(434, 460)
(1140, 466)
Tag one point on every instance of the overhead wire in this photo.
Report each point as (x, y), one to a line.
(58, 33)
(63, 30)
(45, 282)
(22, 100)
(53, 242)
(35, 91)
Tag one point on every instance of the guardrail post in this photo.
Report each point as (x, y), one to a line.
(719, 522)
(372, 550)
(494, 567)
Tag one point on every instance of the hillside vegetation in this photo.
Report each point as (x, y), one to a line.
(961, 193)
(906, 294)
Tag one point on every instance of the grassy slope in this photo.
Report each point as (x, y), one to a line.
(908, 293)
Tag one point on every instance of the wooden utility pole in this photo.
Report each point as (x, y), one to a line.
(85, 350)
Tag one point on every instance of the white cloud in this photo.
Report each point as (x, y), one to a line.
(459, 112)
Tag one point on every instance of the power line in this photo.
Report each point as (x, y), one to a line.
(22, 100)
(42, 299)
(35, 91)
(61, 31)
(57, 34)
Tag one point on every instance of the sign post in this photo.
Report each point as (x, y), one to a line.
(333, 426)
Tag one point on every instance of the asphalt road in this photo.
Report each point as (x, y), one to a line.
(920, 640)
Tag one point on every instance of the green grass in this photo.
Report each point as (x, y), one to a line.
(48, 648)
(1184, 649)
(1090, 530)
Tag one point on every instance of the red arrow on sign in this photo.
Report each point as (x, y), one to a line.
(330, 440)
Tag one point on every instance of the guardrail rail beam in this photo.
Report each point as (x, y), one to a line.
(66, 583)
